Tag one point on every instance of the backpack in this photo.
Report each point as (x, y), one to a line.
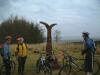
(2, 50)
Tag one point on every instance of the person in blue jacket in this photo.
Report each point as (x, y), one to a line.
(7, 55)
(89, 50)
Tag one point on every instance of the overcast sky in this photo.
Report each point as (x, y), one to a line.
(72, 16)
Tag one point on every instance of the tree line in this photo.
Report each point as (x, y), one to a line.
(17, 27)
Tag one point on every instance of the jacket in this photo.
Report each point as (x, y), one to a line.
(89, 46)
(21, 50)
(6, 51)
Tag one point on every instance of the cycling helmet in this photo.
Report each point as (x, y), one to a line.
(8, 37)
(86, 33)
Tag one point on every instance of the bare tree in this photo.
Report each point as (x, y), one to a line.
(57, 36)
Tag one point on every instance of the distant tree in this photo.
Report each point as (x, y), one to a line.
(57, 35)
(16, 27)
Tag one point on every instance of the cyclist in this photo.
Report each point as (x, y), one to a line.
(21, 52)
(7, 55)
(89, 49)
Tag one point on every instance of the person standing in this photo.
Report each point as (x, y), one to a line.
(7, 55)
(89, 50)
(21, 53)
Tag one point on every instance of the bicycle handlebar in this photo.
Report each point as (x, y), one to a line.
(41, 52)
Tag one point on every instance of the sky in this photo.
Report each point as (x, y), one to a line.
(72, 16)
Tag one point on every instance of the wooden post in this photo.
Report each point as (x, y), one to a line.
(49, 36)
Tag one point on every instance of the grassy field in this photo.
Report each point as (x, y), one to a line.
(71, 48)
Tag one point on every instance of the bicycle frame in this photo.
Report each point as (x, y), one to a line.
(43, 64)
(71, 62)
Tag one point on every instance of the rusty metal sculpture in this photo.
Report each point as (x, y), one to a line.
(49, 36)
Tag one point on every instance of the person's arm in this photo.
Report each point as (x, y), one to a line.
(93, 46)
(28, 47)
(16, 50)
(86, 47)
(5, 56)
(9, 52)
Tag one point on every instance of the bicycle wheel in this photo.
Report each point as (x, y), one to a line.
(96, 68)
(3, 69)
(47, 69)
(13, 66)
(38, 66)
(0, 71)
(65, 70)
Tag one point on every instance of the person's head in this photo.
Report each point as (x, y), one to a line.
(8, 39)
(20, 40)
(85, 34)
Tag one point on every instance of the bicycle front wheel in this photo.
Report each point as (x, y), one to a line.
(65, 70)
(47, 69)
(3, 69)
(96, 68)
(38, 66)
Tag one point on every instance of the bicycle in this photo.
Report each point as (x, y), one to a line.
(71, 65)
(43, 64)
(12, 64)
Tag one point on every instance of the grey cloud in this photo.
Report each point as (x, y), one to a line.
(5, 7)
(4, 3)
(72, 16)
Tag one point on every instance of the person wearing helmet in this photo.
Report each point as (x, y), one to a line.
(89, 50)
(7, 55)
(21, 53)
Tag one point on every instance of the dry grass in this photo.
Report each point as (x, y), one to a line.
(72, 49)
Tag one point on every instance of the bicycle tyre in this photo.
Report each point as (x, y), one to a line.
(96, 68)
(13, 66)
(2, 69)
(48, 69)
(65, 70)
(38, 66)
